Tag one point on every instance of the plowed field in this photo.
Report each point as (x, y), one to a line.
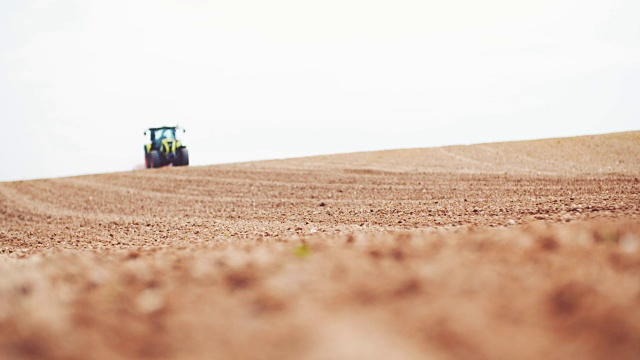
(523, 250)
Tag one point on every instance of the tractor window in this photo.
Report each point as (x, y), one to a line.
(169, 134)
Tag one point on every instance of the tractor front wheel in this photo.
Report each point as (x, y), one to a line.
(154, 156)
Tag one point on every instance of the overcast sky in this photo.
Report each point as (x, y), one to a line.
(80, 80)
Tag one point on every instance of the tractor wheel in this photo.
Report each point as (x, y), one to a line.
(147, 160)
(183, 157)
(154, 156)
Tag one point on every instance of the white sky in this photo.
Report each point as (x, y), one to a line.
(80, 80)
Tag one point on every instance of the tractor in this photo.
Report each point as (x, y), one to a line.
(165, 148)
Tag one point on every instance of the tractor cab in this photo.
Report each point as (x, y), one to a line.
(164, 148)
(163, 133)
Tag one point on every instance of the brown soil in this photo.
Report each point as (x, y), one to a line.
(521, 250)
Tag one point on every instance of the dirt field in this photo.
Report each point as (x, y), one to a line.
(523, 250)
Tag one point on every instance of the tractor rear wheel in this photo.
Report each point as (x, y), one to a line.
(147, 160)
(154, 156)
(183, 157)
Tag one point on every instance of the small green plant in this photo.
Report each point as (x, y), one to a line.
(302, 251)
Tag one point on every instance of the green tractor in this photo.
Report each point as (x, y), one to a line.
(165, 148)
